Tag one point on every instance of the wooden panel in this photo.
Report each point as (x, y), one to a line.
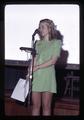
(13, 108)
(65, 112)
(61, 107)
(66, 107)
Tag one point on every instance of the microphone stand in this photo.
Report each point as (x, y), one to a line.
(31, 70)
(29, 76)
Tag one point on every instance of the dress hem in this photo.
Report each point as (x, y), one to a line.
(44, 91)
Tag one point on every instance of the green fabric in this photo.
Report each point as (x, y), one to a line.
(45, 79)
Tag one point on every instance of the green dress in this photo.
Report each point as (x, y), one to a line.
(44, 79)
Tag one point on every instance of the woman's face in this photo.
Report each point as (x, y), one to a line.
(44, 29)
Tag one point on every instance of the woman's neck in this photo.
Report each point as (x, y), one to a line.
(46, 38)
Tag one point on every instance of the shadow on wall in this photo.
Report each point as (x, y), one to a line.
(60, 71)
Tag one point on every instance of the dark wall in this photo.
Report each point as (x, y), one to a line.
(15, 71)
(12, 75)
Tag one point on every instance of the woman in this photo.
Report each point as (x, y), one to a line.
(44, 82)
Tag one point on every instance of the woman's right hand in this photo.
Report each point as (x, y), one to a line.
(35, 68)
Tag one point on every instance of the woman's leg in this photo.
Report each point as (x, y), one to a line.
(46, 103)
(36, 103)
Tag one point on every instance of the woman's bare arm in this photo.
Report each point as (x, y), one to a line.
(48, 63)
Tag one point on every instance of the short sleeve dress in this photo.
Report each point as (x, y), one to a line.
(44, 79)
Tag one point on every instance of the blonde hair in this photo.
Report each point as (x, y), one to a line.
(54, 34)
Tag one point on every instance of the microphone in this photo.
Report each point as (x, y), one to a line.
(32, 50)
(36, 32)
